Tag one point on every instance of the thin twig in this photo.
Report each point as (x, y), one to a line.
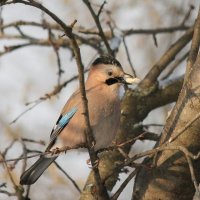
(129, 59)
(57, 151)
(42, 142)
(57, 27)
(9, 147)
(7, 193)
(8, 49)
(192, 173)
(101, 8)
(155, 39)
(8, 170)
(150, 136)
(24, 154)
(155, 30)
(24, 112)
(101, 33)
(123, 144)
(36, 102)
(167, 57)
(186, 17)
(175, 65)
(45, 25)
(124, 184)
(161, 148)
(147, 125)
(182, 130)
(68, 176)
(56, 50)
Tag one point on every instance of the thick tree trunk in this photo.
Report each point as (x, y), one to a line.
(170, 177)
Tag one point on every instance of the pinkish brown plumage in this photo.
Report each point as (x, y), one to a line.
(103, 87)
(104, 112)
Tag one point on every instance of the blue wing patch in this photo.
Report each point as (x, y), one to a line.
(60, 125)
(66, 118)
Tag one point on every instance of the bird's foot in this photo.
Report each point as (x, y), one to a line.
(88, 161)
(93, 144)
(95, 164)
(55, 151)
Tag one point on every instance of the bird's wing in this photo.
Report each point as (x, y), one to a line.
(62, 121)
(96, 110)
(73, 101)
(100, 109)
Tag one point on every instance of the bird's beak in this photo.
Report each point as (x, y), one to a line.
(128, 79)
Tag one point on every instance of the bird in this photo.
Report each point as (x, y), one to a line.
(104, 91)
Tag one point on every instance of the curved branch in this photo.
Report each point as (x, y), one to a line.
(168, 56)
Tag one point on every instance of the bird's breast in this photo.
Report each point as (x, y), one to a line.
(104, 113)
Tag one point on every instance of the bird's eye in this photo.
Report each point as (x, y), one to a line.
(109, 73)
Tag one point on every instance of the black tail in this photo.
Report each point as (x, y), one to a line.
(32, 174)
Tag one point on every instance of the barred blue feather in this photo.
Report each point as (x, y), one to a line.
(35, 171)
(66, 118)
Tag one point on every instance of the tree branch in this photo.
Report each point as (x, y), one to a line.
(195, 45)
(168, 56)
(101, 33)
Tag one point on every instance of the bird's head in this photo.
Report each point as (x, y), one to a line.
(108, 70)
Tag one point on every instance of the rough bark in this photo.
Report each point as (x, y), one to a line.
(170, 177)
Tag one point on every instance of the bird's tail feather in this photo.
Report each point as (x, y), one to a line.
(31, 175)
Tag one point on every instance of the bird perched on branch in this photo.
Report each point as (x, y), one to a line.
(104, 91)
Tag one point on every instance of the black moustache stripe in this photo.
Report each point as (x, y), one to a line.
(112, 81)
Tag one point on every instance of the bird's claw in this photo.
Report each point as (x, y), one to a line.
(55, 151)
(93, 144)
(95, 165)
(88, 161)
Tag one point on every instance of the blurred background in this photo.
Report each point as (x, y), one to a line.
(30, 72)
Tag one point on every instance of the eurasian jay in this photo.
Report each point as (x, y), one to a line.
(104, 91)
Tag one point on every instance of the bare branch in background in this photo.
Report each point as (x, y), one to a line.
(187, 16)
(18, 190)
(64, 43)
(154, 31)
(97, 21)
(129, 59)
(63, 171)
(58, 150)
(137, 103)
(166, 59)
(123, 185)
(101, 8)
(24, 112)
(47, 96)
(56, 50)
(175, 65)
